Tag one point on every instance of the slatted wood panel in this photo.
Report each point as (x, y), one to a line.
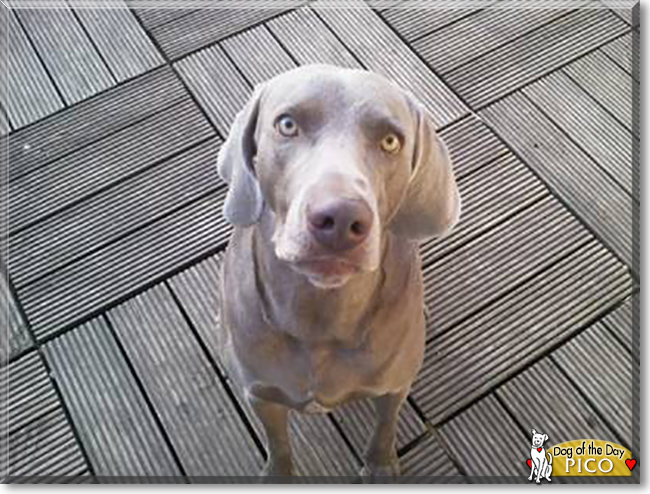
(479, 273)
(69, 55)
(191, 32)
(127, 54)
(607, 83)
(324, 47)
(196, 410)
(108, 162)
(357, 421)
(523, 60)
(38, 435)
(217, 85)
(15, 337)
(456, 45)
(545, 399)
(622, 323)
(116, 426)
(620, 52)
(428, 462)
(28, 94)
(501, 189)
(602, 369)
(608, 143)
(567, 170)
(319, 449)
(125, 266)
(258, 55)
(114, 212)
(496, 343)
(368, 37)
(414, 19)
(90, 121)
(487, 442)
(152, 17)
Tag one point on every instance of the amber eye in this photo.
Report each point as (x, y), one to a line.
(391, 144)
(287, 126)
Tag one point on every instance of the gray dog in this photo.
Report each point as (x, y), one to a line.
(335, 176)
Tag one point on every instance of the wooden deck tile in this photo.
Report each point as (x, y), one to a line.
(494, 192)
(199, 417)
(487, 442)
(566, 169)
(125, 266)
(620, 52)
(501, 340)
(621, 323)
(216, 84)
(15, 337)
(456, 45)
(68, 54)
(607, 83)
(319, 449)
(362, 31)
(128, 54)
(152, 17)
(412, 23)
(258, 55)
(5, 127)
(357, 421)
(90, 121)
(543, 398)
(525, 59)
(110, 214)
(605, 140)
(28, 94)
(110, 161)
(193, 31)
(294, 28)
(117, 428)
(480, 272)
(39, 437)
(602, 369)
(428, 462)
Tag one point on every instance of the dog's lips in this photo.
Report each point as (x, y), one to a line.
(327, 267)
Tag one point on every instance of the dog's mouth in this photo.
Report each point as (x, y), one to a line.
(327, 272)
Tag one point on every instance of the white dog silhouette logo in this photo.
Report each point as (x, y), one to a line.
(539, 464)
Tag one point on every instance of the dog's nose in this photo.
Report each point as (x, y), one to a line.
(340, 224)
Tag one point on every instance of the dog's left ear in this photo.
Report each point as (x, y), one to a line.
(545, 437)
(431, 206)
(244, 201)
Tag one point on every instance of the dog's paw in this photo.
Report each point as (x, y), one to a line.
(377, 474)
(276, 469)
(537, 481)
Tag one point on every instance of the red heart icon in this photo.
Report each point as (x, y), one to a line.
(539, 449)
(630, 463)
(530, 463)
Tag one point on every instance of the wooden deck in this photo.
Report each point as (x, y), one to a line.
(110, 121)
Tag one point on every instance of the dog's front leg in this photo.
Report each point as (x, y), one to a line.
(274, 420)
(381, 455)
(540, 469)
(532, 469)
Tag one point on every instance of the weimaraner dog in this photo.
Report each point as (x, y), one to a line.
(335, 175)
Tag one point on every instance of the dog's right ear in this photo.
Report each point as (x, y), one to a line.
(244, 201)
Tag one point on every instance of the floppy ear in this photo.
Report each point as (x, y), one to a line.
(431, 206)
(545, 437)
(244, 201)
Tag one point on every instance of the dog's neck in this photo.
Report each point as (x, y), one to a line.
(292, 304)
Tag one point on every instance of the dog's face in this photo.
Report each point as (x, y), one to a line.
(337, 156)
(538, 439)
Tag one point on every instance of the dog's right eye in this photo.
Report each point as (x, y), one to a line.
(286, 126)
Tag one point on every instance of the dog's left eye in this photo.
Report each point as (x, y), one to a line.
(287, 126)
(391, 144)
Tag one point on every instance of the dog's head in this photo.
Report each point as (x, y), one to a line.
(338, 156)
(539, 439)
